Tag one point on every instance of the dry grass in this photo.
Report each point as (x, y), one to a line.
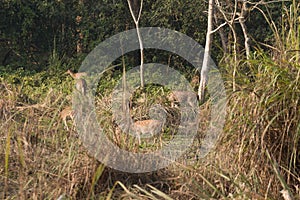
(256, 157)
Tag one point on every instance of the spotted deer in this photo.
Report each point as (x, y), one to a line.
(185, 98)
(65, 114)
(147, 128)
(80, 83)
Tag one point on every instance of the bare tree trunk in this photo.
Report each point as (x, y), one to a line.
(224, 39)
(136, 21)
(206, 58)
(242, 20)
(230, 23)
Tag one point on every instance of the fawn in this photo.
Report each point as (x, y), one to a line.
(67, 113)
(80, 84)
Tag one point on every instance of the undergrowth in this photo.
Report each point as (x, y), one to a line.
(256, 157)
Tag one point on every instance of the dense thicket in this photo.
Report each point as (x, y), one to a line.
(31, 30)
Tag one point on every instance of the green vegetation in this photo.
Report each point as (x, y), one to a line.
(256, 157)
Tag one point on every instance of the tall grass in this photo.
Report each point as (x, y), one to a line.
(263, 118)
(257, 156)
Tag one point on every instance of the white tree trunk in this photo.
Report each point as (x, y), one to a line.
(206, 58)
(136, 21)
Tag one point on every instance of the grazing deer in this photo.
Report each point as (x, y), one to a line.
(80, 83)
(67, 113)
(185, 97)
(147, 128)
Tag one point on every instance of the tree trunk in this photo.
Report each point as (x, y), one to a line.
(136, 21)
(244, 28)
(206, 58)
(223, 37)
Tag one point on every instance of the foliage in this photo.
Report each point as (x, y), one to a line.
(257, 156)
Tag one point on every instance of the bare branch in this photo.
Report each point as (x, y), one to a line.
(140, 11)
(131, 12)
(262, 2)
(220, 26)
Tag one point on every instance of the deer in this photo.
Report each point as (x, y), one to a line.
(186, 97)
(139, 128)
(65, 114)
(147, 128)
(80, 83)
(195, 81)
(76, 75)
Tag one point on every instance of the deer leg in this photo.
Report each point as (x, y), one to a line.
(65, 123)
